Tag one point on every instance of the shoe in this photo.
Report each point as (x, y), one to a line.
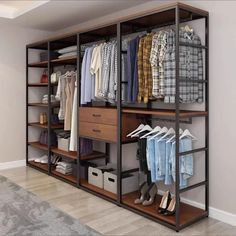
(143, 191)
(38, 160)
(171, 208)
(164, 202)
(44, 160)
(151, 195)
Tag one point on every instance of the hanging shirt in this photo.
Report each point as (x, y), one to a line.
(61, 96)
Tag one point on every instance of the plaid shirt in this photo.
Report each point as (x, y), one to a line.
(190, 68)
(156, 60)
(144, 69)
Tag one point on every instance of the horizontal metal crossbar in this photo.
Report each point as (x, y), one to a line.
(192, 186)
(192, 45)
(193, 151)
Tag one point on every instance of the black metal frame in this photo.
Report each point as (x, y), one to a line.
(177, 120)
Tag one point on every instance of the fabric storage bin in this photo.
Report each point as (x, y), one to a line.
(95, 174)
(129, 182)
(63, 144)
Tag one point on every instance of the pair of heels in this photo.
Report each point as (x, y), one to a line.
(167, 206)
(147, 194)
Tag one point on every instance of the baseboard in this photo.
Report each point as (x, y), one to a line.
(12, 164)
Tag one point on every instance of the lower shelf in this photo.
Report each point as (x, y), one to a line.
(43, 167)
(188, 213)
(85, 184)
(70, 178)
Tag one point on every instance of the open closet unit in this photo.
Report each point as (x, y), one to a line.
(139, 98)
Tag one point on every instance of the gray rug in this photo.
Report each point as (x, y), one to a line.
(23, 213)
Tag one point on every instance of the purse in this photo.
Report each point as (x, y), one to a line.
(44, 78)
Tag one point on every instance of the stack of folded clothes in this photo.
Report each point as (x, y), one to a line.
(68, 52)
(45, 99)
(64, 167)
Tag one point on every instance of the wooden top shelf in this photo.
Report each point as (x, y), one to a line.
(60, 61)
(45, 126)
(164, 113)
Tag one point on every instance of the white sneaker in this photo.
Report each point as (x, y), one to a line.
(44, 160)
(38, 160)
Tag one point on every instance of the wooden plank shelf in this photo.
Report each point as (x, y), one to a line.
(71, 155)
(85, 184)
(38, 145)
(60, 61)
(45, 126)
(41, 84)
(188, 212)
(43, 167)
(38, 104)
(70, 178)
(164, 112)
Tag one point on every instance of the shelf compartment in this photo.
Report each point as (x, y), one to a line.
(164, 112)
(40, 166)
(38, 146)
(188, 213)
(71, 155)
(93, 188)
(70, 178)
(38, 104)
(40, 84)
(45, 126)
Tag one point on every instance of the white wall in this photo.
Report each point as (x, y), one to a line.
(222, 94)
(12, 90)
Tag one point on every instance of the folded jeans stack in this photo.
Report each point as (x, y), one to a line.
(64, 168)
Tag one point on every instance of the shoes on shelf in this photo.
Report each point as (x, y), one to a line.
(44, 160)
(171, 208)
(38, 160)
(143, 190)
(165, 201)
(150, 195)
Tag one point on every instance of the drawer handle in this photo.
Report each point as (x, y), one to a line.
(97, 130)
(96, 115)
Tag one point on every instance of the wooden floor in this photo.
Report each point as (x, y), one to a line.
(99, 214)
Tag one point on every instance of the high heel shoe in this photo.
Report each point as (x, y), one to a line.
(143, 190)
(151, 195)
(171, 208)
(164, 202)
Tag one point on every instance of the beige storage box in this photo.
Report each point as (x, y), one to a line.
(129, 182)
(95, 174)
(63, 144)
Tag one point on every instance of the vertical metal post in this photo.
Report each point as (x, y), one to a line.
(27, 107)
(107, 152)
(177, 194)
(78, 106)
(207, 109)
(49, 109)
(119, 117)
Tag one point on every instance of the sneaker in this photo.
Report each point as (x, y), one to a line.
(38, 160)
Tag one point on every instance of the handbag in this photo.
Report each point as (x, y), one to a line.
(44, 77)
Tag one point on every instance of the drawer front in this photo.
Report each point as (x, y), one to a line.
(98, 131)
(107, 116)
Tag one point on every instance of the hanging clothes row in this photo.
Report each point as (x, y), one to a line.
(151, 67)
(156, 153)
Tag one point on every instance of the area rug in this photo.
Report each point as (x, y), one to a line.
(23, 214)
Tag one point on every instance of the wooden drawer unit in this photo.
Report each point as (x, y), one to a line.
(98, 131)
(106, 116)
(101, 124)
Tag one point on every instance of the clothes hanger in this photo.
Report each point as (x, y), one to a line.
(186, 133)
(162, 131)
(169, 140)
(155, 130)
(136, 130)
(169, 132)
(145, 128)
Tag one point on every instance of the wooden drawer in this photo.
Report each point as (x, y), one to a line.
(98, 131)
(106, 116)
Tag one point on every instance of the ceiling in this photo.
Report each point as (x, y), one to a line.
(57, 14)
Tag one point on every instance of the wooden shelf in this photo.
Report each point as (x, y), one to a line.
(164, 113)
(70, 178)
(85, 184)
(71, 155)
(60, 61)
(92, 156)
(187, 212)
(40, 84)
(38, 145)
(45, 126)
(37, 104)
(43, 167)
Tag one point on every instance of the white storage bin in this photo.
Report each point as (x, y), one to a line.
(63, 144)
(95, 174)
(129, 183)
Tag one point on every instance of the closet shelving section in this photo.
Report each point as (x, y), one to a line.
(108, 124)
